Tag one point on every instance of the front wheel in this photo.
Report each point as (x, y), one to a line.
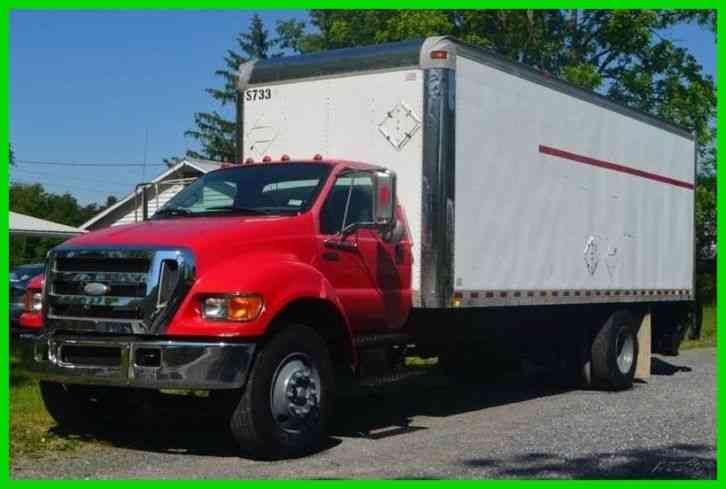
(287, 403)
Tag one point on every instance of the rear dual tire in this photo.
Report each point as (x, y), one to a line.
(602, 359)
(614, 353)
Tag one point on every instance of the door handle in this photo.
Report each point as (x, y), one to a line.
(338, 244)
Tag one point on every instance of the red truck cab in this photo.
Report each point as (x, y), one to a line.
(257, 278)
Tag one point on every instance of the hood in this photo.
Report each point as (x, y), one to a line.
(205, 236)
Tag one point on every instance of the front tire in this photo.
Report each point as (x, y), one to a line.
(615, 352)
(288, 400)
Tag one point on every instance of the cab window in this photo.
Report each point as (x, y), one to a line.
(350, 201)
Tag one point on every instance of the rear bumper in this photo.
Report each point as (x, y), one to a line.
(137, 362)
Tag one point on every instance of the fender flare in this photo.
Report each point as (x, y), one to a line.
(280, 282)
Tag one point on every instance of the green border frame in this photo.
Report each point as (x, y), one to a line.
(332, 4)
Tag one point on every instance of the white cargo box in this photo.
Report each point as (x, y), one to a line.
(519, 188)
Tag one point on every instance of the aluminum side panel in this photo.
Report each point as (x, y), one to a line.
(347, 117)
(554, 192)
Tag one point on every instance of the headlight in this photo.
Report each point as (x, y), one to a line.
(33, 301)
(232, 307)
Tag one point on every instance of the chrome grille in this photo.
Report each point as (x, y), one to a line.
(133, 290)
(92, 263)
(138, 289)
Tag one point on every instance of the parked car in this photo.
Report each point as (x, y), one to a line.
(20, 277)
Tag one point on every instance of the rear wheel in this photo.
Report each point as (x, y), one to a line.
(285, 407)
(615, 352)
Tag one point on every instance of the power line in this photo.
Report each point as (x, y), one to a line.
(73, 163)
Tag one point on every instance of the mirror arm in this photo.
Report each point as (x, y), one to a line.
(348, 230)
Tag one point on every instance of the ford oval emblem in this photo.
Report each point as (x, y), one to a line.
(96, 288)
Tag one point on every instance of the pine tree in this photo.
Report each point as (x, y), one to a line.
(215, 133)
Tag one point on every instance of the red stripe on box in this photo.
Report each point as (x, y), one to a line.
(612, 166)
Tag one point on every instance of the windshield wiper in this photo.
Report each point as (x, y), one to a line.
(173, 211)
(244, 210)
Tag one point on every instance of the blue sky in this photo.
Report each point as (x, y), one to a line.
(87, 86)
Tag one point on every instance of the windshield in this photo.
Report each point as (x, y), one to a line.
(284, 188)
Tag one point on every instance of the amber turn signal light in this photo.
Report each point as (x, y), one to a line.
(244, 308)
(232, 307)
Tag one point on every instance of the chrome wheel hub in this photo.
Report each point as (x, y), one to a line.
(625, 349)
(295, 393)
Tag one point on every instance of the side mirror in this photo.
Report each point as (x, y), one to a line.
(384, 200)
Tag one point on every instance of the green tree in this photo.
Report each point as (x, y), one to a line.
(706, 228)
(213, 131)
(110, 201)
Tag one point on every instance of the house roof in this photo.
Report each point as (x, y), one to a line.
(202, 166)
(23, 225)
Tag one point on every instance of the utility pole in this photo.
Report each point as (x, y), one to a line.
(146, 150)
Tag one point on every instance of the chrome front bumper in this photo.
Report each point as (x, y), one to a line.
(136, 362)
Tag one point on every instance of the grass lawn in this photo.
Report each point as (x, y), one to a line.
(31, 431)
(708, 331)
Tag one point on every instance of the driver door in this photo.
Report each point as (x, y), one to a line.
(341, 260)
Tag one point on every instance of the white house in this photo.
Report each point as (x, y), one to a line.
(164, 187)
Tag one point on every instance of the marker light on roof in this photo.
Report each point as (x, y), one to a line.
(318, 157)
(266, 159)
(249, 161)
(285, 158)
(439, 55)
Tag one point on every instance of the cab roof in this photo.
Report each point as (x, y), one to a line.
(332, 162)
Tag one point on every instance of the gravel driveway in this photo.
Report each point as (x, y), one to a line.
(429, 428)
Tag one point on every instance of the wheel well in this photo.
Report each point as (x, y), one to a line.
(325, 318)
